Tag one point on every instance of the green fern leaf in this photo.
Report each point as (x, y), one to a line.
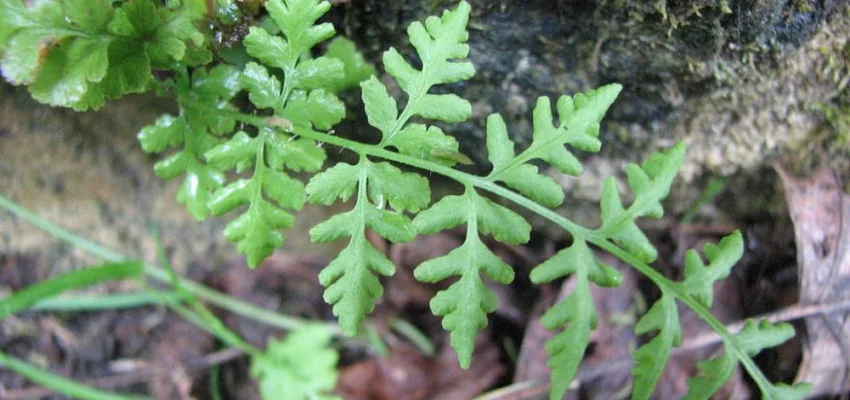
(302, 366)
(439, 43)
(699, 278)
(350, 283)
(522, 177)
(651, 357)
(466, 303)
(267, 193)
(650, 184)
(355, 68)
(752, 339)
(578, 127)
(301, 103)
(567, 348)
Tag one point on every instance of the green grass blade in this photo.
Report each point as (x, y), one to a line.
(31, 295)
(108, 302)
(59, 383)
(217, 298)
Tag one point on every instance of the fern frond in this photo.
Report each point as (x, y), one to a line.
(650, 184)
(197, 130)
(302, 366)
(700, 278)
(299, 101)
(440, 43)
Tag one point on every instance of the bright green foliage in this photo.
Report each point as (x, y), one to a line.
(439, 43)
(300, 101)
(578, 126)
(203, 98)
(351, 284)
(650, 184)
(700, 278)
(355, 68)
(465, 304)
(664, 317)
(577, 312)
(78, 53)
(752, 339)
(651, 358)
(302, 366)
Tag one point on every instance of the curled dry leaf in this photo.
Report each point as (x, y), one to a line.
(821, 216)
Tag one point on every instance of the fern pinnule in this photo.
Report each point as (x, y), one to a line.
(350, 284)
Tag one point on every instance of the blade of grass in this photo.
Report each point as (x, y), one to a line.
(59, 383)
(31, 295)
(197, 313)
(414, 335)
(214, 297)
(107, 302)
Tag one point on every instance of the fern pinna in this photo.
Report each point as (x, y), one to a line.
(71, 56)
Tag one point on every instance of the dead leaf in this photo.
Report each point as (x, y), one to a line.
(180, 343)
(821, 216)
(410, 375)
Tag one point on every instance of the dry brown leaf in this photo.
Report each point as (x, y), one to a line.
(821, 216)
(410, 375)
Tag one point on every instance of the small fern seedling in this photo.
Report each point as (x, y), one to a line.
(301, 366)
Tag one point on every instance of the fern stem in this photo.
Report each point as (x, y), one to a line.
(667, 285)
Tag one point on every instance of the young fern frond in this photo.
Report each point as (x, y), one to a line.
(301, 366)
(350, 284)
(465, 304)
(663, 316)
(652, 356)
(752, 339)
